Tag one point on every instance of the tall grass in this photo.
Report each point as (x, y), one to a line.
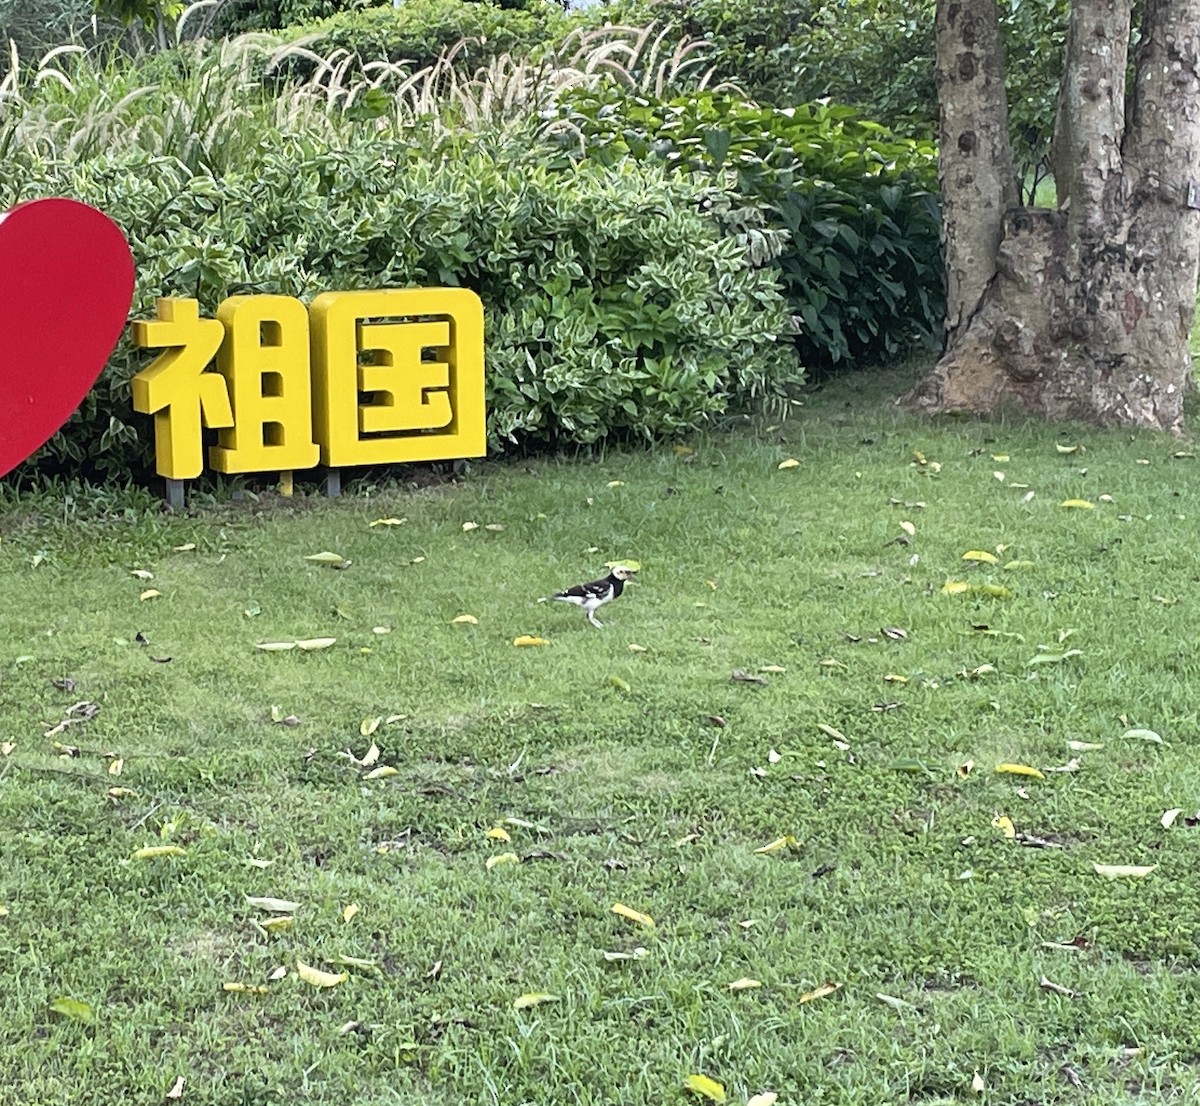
(209, 103)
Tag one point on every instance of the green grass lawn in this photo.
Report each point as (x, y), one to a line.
(646, 777)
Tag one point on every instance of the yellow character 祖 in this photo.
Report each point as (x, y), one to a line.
(264, 361)
(175, 389)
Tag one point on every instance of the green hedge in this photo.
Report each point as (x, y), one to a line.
(614, 308)
(862, 268)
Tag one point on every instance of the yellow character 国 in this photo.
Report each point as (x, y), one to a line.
(398, 375)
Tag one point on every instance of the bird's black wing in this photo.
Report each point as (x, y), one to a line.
(597, 589)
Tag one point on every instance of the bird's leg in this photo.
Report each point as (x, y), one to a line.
(592, 619)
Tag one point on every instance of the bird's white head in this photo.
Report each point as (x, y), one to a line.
(624, 572)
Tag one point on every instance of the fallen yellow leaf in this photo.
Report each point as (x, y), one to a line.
(819, 992)
(382, 772)
(279, 923)
(469, 526)
(1005, 825)
(152, 852)
(533, 998)
(246, 988)
(116, 766)
(1019, 770)
(707, 1088)
(469, 619)
(790, 463)
(369, 725)
(150, 593)
(388, 522)
(962, 587)
(1065, 448)
(776, 845)
(633, 915)
(909, 529)
(744, 984)
(349, 911)
(317, 978)
(1081, 504)
(499, 833)
(981, 555)
(501, 858)
(529, 639)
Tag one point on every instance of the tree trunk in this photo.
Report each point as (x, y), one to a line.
(976, 165)
(1089, 313)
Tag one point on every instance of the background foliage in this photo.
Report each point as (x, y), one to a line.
(745, 226)
(854, 206)
(419, 31)
(873, 55)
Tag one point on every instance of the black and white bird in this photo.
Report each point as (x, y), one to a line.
(593, 596)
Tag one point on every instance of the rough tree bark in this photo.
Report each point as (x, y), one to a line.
(978, 183)
(1089, 308)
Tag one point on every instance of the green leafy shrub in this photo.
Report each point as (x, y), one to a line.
(874, 55)
(420, 31)
(614, 307)
(862, 269)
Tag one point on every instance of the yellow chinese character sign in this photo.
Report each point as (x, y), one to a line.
(358, 378)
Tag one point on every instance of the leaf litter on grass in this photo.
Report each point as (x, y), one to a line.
(943, 720)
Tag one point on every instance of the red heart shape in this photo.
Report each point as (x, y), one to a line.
(66, 283)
